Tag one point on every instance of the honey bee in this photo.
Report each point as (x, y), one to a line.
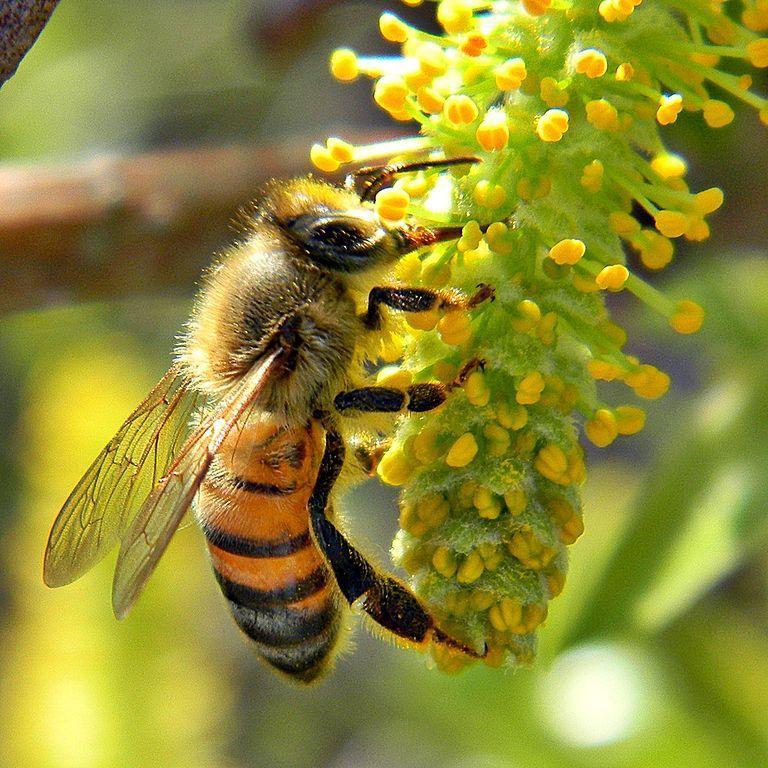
(246, 421)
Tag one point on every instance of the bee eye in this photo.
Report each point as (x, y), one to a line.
(340, 241)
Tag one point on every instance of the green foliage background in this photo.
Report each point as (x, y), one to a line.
(655, 655)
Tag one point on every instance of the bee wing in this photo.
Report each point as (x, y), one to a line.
(97, 511)
(148, 534)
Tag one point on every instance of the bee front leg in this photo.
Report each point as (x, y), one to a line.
(385, 599)
(419, 300)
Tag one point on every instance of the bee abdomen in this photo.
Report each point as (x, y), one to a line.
(295, 637)
(253, 511)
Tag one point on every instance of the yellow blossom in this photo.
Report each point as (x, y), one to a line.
(591, 63)
(569, 251)
(552, 125)
(612, 277)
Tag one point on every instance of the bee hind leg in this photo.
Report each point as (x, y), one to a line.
(386, 600)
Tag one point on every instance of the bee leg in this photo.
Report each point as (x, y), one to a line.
(386, 600)
(418, 398)
(367, 453)
(367, 181)
(419, 300)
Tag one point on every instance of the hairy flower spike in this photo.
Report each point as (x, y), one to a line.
(564, 108)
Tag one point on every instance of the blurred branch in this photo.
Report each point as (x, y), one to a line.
(113, 226)
(21, 22)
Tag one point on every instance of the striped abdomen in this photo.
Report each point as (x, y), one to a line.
(253, 511)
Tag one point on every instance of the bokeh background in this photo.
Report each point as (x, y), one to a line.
(128, 137)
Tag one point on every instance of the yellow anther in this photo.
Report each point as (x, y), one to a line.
(688, 317)
(432, 509)
(511, 612)
(474, 44)
(394, 467)
(529, 315)
(717, 114)
(672, 223)
(511, 416)
(344, 64)
(392, 28)
(496, 619)
(551, 462)
(569, 251)
(602, 115)
(471, 569)
(757, 50)
(656, 251)
(534, 615)
(756, 16)
(463, 451)
(483, 498)
(612, 277)
(455, 16)
(552, 125)
(491, 511)
(602, 370)
(592, 176)
(613, 11)
(390, 93)
(629, 419)
(669, 108)
(460, 110)
(498, 439)
(489, 196)
(455, 328)
(444, 562)
(536, 7)
(481, 600)
(648, 382)
(708, 201)
(466, 494)
(476, 389)
(530, 388)
(321, 158)
(555, 582)
(425, 445)
(493, 132)
(431, 58)
(590, 62)
(392, 204)
(669, 166)
(510, 75)
(340, 150)
(409, 521)
(623, 224)
(423, 321)
(552, 92)
(497, 237)
(625, 72)
(530, 551)
(546, 328)
(601, 429)
(430, 100)
(698, 229)
(516, 501)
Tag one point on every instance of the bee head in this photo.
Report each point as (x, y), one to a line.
(331, 226)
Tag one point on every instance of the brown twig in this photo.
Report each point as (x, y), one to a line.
(116, 226)
(21, 22)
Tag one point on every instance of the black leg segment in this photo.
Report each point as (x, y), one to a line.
(417, 398)
(419, 300)
(388, 602)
